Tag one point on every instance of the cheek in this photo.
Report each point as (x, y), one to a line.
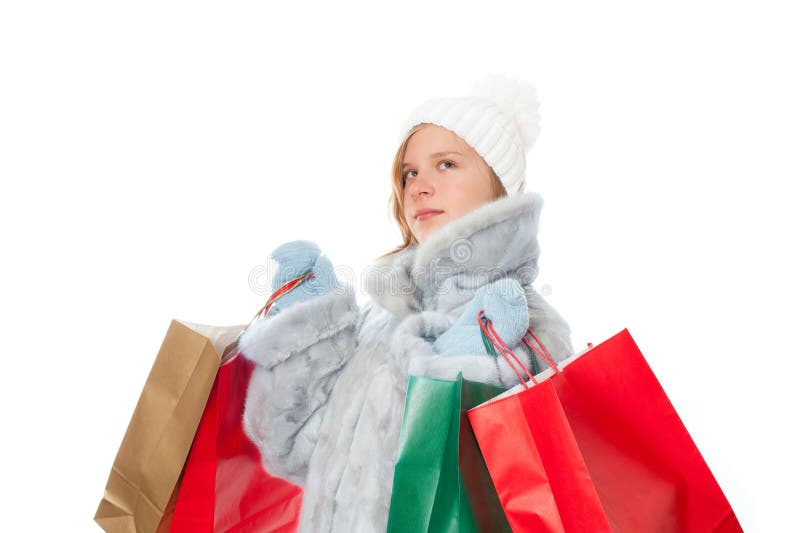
(474, 193)
(480, 187)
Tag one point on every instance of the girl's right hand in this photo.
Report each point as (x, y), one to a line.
(295, 258)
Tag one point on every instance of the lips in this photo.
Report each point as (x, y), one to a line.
(423, 214)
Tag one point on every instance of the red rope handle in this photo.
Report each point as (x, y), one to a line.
(504, 350)
(231, 351)
(546, 355)
(286, 287)
(510, 352)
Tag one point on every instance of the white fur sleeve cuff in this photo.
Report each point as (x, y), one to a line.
(270, 341)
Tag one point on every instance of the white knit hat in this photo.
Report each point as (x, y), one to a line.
(499, 118)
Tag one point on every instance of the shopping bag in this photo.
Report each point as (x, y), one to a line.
(537, 468)
(225, 487)
(142, 484)
(647, 470)
(440, 481)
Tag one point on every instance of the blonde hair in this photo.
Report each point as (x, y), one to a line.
(396, 197)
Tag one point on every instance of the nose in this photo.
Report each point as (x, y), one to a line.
(420, 185)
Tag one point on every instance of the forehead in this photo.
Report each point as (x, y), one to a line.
(433, 139)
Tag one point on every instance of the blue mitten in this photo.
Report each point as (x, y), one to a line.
(294, 259)
(504, 303)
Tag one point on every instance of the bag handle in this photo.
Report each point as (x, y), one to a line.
(491, 349)
(284, 289)
(505, 351)
(543, 353)
(492, 341)
(230, 351)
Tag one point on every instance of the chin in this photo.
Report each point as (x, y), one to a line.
(428, 232)
(427, 228)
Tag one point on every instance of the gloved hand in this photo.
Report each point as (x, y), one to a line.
(504, 303)
(294, 259)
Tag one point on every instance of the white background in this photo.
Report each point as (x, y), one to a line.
(153, 154)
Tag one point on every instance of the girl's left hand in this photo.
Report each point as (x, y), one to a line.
(504, 303)
(411, 352)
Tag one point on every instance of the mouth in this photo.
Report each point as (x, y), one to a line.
(425, 214)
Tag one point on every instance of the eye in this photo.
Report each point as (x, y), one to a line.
(449, 163)
(406, 175)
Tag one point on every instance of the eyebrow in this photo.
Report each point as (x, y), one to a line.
(437, 154)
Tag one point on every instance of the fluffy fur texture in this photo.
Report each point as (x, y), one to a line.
(326, 401)
(299, 352)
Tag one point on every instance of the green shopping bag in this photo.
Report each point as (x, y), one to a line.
(441, 483)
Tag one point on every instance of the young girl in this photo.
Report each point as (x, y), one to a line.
(326, 400)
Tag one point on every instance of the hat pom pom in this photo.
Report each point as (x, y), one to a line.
(515, 97)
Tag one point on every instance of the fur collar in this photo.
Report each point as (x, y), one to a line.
(496, 240)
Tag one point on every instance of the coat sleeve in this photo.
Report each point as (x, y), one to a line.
(299, 354)
(412, 347)
(550, 327)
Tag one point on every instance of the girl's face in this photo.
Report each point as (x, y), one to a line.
(441, 172)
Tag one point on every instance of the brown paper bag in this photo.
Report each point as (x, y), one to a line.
(143, 482)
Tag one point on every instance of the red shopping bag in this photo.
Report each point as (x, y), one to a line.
(533, 458)
(224, 487)
(646, 469)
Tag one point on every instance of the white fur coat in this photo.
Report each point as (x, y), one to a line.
(326, 399)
